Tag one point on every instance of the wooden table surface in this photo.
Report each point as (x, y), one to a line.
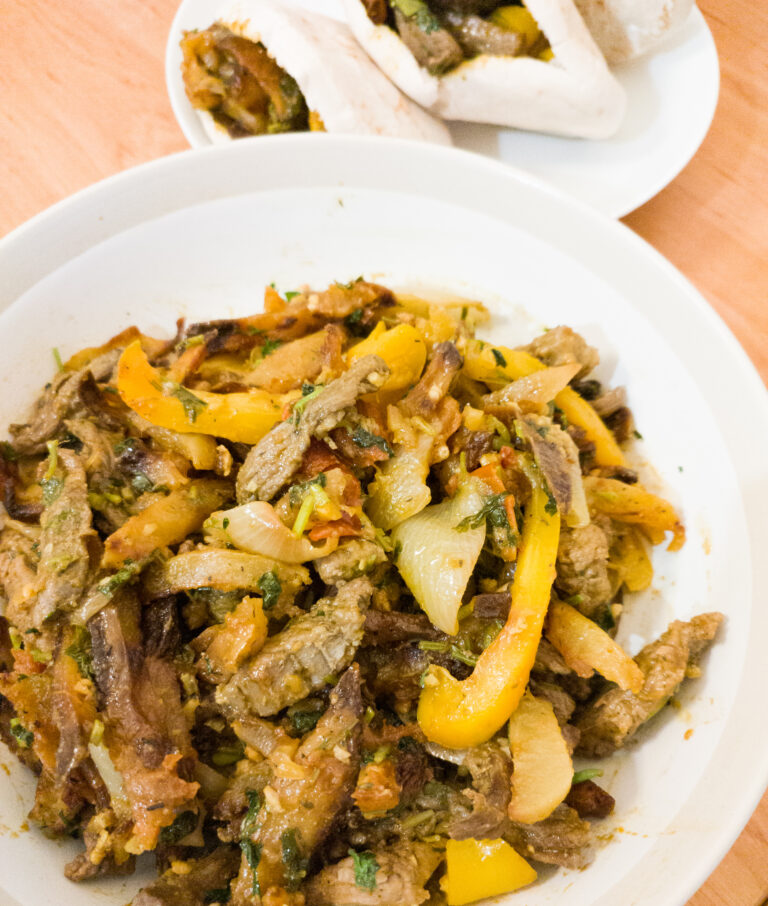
(82, 96)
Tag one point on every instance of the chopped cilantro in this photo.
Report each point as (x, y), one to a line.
(354, 323)
(300, 405)
(493, 512)
(366, 867)
(252, 853)
(183, 825)
(604, 618)
(249, 824)
(291, 294)
(295, 862)
(307, 388)
(499, 358)
(80, 651)
(270, 587)
(110, 585)
(637, 434)
(366, 439)
(303, 720)
(298, 491)
(551, 507)
(192, 404)
(141, 483)
(350, 284)
(22, 736)
(464, 312)
(586, 774)
(270, 346)
(127, 445)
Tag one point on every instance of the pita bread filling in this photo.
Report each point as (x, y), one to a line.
(442, 34)
(241, 86)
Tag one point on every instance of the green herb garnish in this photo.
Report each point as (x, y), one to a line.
(80, 651)
(270, 587)
(270, 346)
(192, 404)
(586, 774)
(183, 825)
(249, 824)
(23, 737)
(366, 867)
(295, 862)
(252, 853)
(499, 358)
(366, 439)
(494, 513)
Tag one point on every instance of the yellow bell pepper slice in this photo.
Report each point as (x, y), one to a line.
(243, 417)
(518, 19)
(495, 365)
(462, 713)
(632, 503)
(401, 347)
(476, 869)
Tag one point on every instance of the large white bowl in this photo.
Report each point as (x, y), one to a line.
(201, 233)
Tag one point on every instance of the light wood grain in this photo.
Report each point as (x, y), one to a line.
(82, 96)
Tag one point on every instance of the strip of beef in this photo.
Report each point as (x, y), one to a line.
(609, 721)
(432, 46)
(18, 564)
(582, 567)
(271, 462)
(561, 346)
(146, 729)
(388, 627)
(297, 661)
(9, 485)
(562, 839)
(491, 770)
(434, 384)
(300, 805)
(60, 399)
(403, 871)
(198, 886)
(350, 560)
(477, 36)
(68, 543)
(590, 800)
(558, 459)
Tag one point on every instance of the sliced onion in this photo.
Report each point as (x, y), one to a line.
(255, 527)
(400, 489)
(113, 779)
(436, 559)
(540, 387)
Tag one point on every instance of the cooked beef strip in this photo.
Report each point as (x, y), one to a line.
(195, 888)
(609, 401)
(562, 703)
(68, 545)
(160, 627)
(424, 398)
(622, 424)
(387, 627)
(277, 456)
(491, 770)
(590, 800)
(582, 567)
(403, 871)
(480, 36)
(60, 399)
(561, 346)
(350, 560)
(493, 605)
(377, 10)
(301, 806)
(556, 456)
(609, 721)
(298, 660)
(562, 839)
(436, 50)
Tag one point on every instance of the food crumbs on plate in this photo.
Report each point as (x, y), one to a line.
(688, 733)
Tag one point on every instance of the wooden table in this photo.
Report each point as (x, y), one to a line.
(82, 96)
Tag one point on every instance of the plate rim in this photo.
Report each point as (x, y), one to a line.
(122, 186)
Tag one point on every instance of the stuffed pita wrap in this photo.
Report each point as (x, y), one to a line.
(532, 67)
(264, 68)
(625, 29)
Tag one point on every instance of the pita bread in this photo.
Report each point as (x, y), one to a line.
(336, 77)
(625, 29)
(574, 94)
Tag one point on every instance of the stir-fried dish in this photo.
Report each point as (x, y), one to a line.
(241, 86)
(319, 604)
(441, 34)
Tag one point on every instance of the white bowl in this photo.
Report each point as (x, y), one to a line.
(200, 234)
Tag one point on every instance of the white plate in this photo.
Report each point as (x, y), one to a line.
(200, 234)
(671, 99)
